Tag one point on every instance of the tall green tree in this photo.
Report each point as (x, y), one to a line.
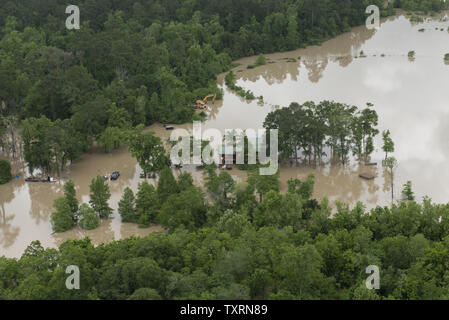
(166, 184)
(293, 37)
(99, 197)
(388, 144)
(185, 181)
(390, 164)
(147, 204)
(149, 151)
(407, 191)
(126, 206)
(70, 195)
(36, 143)
(62, 219)
(300, 268)
(111, 138)
(88, 219)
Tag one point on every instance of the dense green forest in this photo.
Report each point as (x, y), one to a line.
(136, 63)
(246, 241)
(425, 6)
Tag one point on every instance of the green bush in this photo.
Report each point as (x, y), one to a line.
(5, 171)
(261, 60)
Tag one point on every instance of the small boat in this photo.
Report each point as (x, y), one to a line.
(366, 176)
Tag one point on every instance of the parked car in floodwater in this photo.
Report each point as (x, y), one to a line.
(115, 175)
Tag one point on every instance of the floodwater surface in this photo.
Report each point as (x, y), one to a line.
(410, 97)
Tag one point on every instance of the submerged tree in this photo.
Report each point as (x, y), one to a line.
(70, 195)
(391, 164)
(112, 137)
(308, 128)
(50, 145)
(99, 197)
(62, 219)
(126, 206)
(149, 151)
(364, 132)
(407, 191)
(88, 219)
(388, 144)
(37, 146)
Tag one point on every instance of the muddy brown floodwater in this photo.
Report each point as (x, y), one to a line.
(410, 97)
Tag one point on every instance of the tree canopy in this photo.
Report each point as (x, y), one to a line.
(285, 246)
